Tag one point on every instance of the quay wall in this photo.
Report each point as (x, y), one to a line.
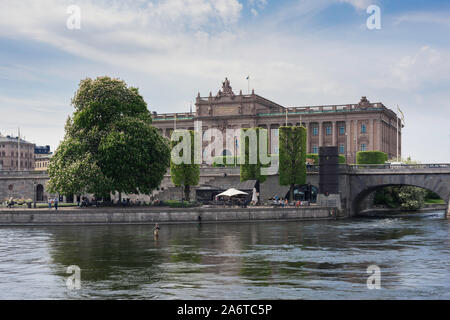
(162, 215)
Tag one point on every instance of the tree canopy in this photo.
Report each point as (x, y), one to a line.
(187, 173)
(292, 159)
(251, 162)
(109, 143)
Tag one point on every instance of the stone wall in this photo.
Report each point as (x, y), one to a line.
(160, 215)
(21, 184)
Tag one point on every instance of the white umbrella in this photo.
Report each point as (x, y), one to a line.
(231, 193)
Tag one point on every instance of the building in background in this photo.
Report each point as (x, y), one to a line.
(16, 154)
(42, 155)
(41, 161)
(42, 150)
(363, 126)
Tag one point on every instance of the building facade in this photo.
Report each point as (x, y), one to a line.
(41, 161)
(16, 154)
(363, 126)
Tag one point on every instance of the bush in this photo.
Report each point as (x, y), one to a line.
(412, 198)
(388, 196)
(371, 157)
(404, 197)
(315, 158)
(432, 195)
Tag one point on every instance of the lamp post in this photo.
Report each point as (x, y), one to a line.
(34, 194)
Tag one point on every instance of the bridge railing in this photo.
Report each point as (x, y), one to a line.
(355, 167)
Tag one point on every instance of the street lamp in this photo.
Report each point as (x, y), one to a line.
(34, 194)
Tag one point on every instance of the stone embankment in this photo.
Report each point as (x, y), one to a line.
(73, 216)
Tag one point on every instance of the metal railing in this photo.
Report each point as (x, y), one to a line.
(355, 167)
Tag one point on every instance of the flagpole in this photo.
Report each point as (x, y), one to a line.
(397, 130)
(248, 82)
(286, 116)
(18, 149)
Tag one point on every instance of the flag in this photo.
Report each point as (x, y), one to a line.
(402, 116)
(248, 77)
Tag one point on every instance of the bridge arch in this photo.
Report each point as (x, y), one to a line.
(363, 185)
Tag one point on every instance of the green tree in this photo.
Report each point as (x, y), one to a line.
(186, 173)
(292, 160)
(251, 162)
(412, 198)
(404, 197)
(109, 143)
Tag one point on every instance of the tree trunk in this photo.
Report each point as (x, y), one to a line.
(187, 192)
(120, 197)
(291, 194)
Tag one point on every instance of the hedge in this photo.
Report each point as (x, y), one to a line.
(371, 157)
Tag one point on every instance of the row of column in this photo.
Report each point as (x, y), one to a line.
(380, 136)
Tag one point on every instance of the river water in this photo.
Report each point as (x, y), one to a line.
(265, 260)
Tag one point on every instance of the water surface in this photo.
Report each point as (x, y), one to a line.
(266, 260)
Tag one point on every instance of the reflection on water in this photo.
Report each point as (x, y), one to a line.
(282, 260)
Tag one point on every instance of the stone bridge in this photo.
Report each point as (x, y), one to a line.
(356, 182)
(365, 180)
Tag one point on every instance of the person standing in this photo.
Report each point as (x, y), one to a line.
(56, 203)
(50, 203)
(156, 230)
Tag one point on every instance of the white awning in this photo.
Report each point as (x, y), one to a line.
(231, 193)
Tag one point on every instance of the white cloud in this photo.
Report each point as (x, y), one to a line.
(359, 4)
(191, 46)
(427, 65)
(418, 18)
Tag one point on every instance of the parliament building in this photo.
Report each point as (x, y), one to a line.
(363, 126)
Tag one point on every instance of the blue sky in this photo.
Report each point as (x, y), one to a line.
(297, 53)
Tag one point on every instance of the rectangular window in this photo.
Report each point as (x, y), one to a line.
(315, 131)
(315, 149)
(328, 131)
(341, 148)
(342, 130)
(363, 128)
(363, 147)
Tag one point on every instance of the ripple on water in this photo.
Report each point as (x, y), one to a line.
(290, 260)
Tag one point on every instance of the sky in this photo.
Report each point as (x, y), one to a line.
(296, 52)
